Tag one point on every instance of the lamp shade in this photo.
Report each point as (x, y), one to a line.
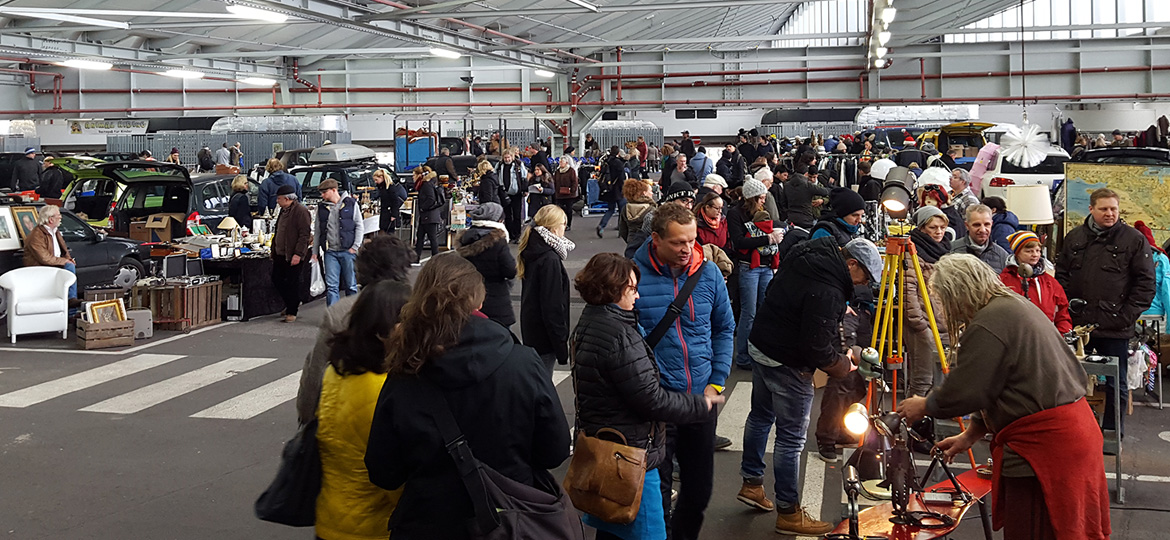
(228, 224)
(1031, 204)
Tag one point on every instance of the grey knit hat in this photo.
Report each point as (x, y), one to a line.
(925, 213)
(488, 211)
(753, 188)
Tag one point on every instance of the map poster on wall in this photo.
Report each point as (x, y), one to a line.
(1144, 191)
(108, 127)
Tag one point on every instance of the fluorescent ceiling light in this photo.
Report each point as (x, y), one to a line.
(258, 81)
(545, 73)
(883, 38)
(879, 63)
(66, 18)
(444, 53)
(586, 5)
(888, 14)
(184, 73)
(880, 52)
(247, 12)
(81, 63)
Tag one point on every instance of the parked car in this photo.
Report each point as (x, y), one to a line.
(115, 156)
(894, 137)
(152, 187)
(99, 257)
(91, 195)
(1127, 155)
(969, 135)
(351, 165)
(1049, 173)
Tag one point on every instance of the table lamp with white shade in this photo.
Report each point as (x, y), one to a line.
(1031, 204)
(230, 224)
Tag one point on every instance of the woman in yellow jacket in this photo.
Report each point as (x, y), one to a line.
(349, 507)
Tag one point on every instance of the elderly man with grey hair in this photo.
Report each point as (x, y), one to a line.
(978, 240)
(45, 246)
(963, 197)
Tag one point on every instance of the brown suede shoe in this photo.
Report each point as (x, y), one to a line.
(289, 318)
(801, 524)
(754, 496)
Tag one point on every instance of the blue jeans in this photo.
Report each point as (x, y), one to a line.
(753, 282)
(783, 396)
(72, 288)
(610, 208)
(339, 275)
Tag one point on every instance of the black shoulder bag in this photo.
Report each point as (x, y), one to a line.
(674, 309)
(291, 498)
(504, 508)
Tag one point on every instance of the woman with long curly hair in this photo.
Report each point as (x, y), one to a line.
(502, 399)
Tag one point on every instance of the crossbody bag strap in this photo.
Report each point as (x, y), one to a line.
(674, 309)
(465, 462)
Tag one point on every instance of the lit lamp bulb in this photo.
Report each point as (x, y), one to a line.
(857, 419)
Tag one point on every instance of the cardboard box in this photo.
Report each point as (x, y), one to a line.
(958, 147)
(161, 226)
(138, 231)
(820, 379)
(970, 151)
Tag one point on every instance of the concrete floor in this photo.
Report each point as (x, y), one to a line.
(175, 439)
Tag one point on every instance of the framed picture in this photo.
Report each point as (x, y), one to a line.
(26, 219)
(9, 237)
(107, 311)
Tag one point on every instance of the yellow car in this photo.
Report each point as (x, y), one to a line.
(91, 195)
(968, 135)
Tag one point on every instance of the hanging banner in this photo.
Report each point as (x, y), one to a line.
(108, 127)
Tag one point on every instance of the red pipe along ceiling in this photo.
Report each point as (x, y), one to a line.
(906, 101)
(490, 31)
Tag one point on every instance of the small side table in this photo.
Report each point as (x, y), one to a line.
(1108, 369)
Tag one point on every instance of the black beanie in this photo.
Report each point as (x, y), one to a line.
(845, 201)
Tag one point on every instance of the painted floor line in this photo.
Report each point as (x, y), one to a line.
(813, 492)
(559, 376)
(131, 350)
(149, 396)
(255, 402)
(86, 379)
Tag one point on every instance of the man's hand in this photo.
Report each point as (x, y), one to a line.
(913, 409)
(817, 202)
(296, 259)
(312, 257)
(710, 391)
(712, 401)
(955, 445)
(352, 251)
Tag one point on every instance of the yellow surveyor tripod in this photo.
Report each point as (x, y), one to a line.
(889, 341)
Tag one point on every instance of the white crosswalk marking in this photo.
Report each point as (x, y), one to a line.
(86, 379)
(149, 396)
(559, 376)
(813, 492)
(255, 402)
(733, 418)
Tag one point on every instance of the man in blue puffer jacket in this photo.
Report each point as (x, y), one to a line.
(694, 356)
(277, 177)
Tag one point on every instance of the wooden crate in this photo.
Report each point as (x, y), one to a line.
(181, 308)
(101, 295)
(105, 335)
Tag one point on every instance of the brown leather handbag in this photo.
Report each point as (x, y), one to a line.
(605, 477)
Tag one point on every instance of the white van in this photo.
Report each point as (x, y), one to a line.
(1047, 173)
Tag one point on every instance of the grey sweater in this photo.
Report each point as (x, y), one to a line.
(1011, 363)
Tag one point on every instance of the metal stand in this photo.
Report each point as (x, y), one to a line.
(1108, 369)
(1157, 322)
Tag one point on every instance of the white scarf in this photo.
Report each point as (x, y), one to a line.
(492, 225)
(560, 244)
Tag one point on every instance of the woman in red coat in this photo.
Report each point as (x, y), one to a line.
(712, 225)
(1041, 288)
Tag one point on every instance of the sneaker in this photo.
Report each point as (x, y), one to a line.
(289, 318)
(722, 443)
(754, 496)
(828, 454)
(673, 495)
(799, 523)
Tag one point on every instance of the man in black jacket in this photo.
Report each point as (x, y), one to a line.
(54, 179)
(798, 331)
(1108, 264)
(687, 145)
(800, 196)
(26, 172)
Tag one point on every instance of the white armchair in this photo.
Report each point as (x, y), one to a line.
(38, 300)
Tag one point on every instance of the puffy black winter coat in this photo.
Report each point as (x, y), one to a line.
(504, 403)
(429, 207)
(797, 198)
(26, 174)
(799, 321)
(544, 300)
(617, 382)
(489, 189)
(488, 250)
(1113, 272)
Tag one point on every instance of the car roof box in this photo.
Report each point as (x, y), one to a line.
(333, 153)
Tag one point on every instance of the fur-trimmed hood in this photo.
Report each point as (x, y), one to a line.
(479, 239)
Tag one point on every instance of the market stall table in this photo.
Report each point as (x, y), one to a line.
(251, 279)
